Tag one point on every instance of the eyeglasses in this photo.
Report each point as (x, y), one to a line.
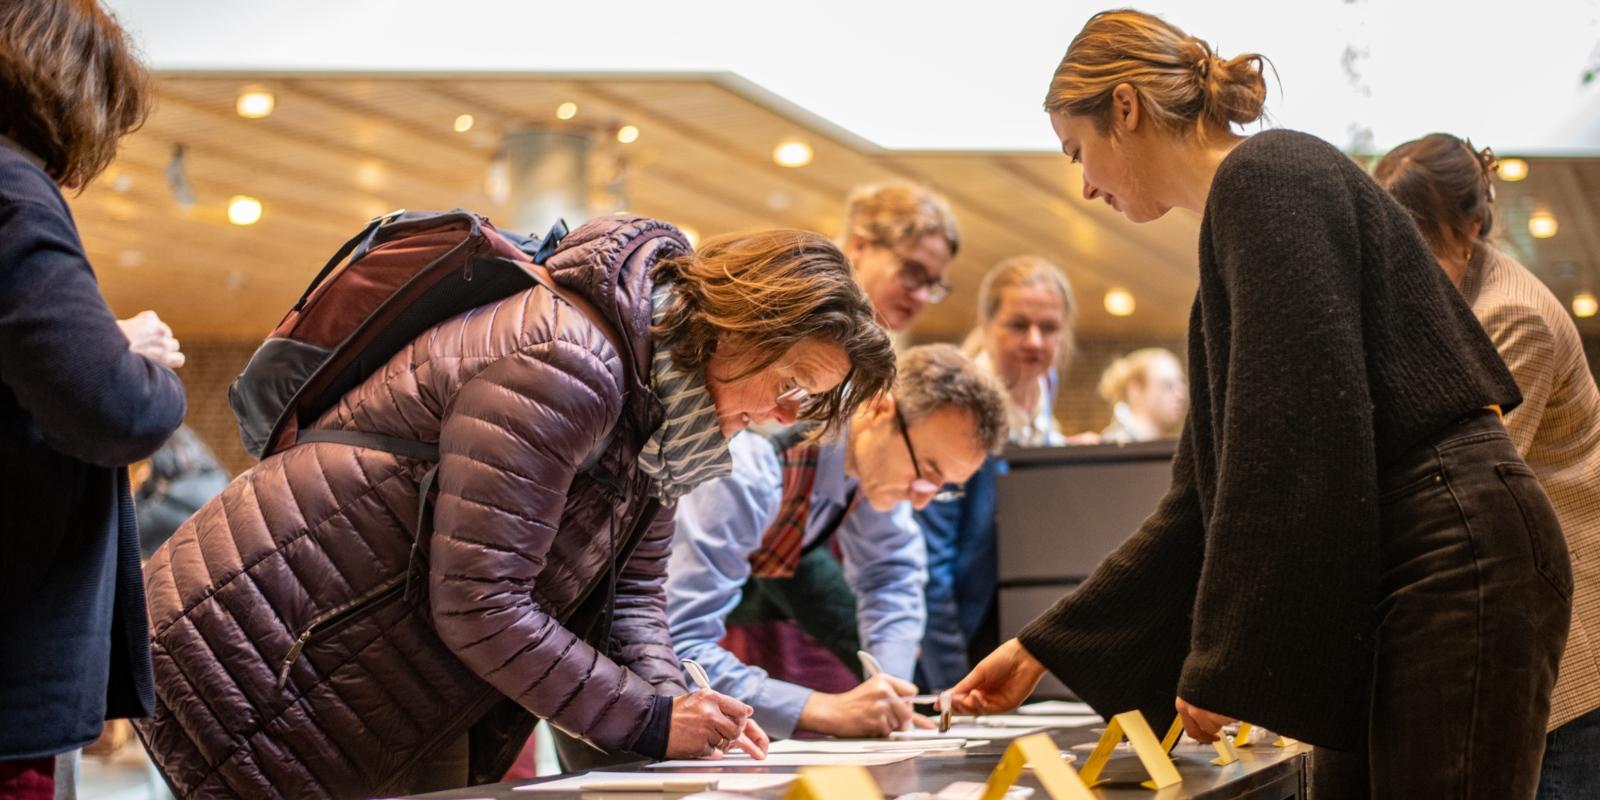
(922, 485)
(794, 393)
(914, 276)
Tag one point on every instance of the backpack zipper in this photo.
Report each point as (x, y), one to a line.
(334, 617)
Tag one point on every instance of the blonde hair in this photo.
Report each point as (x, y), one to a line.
(1182, 84)
(1134, 366)
(893, 214)
(1017, 271)
(773, 290)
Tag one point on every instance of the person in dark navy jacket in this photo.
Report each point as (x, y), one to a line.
(81, 396)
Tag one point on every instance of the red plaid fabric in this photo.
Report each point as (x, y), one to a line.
(779, 553)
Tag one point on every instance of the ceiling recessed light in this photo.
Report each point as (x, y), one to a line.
(1584, 304)
(1119, 302)
(244, 210)
(255, 104)
(566, 111)
(1511, 169)
(691, 234)
(792, 153)
(463, 123)
(1542, 224)
(627, 134)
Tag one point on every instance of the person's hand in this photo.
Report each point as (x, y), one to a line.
(872, 709)
(706, 724)
(1087, 437)
(150, 337)
(1000, 682)
(1202, 726)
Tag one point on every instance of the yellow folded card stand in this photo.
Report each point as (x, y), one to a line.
(834, 783)
(1226, 754)
(1040, 752)
(1151, 751)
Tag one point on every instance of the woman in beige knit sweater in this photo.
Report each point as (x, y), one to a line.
(1448, 190)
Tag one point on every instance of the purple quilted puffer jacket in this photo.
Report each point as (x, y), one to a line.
(291, 661)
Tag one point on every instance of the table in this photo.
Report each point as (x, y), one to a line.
(1263, 772)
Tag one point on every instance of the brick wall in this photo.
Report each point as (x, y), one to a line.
(210, 368)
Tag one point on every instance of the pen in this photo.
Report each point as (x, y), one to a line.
(871, 667)
(697, 673)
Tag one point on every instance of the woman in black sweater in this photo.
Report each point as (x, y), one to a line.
(1352, 553)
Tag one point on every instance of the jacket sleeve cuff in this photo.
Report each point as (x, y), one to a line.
(652, 741)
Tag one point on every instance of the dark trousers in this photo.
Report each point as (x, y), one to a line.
(1475, 600)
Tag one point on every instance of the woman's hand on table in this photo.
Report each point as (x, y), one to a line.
(1201, 725)
(999, 683)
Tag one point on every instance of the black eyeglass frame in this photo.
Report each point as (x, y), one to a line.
(943, 495)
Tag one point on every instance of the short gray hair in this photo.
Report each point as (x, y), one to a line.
(935, 376)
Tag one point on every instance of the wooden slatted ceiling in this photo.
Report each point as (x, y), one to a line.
(339, 150)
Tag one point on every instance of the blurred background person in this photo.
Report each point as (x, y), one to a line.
(1448, 188)
(1148, 396)
(1023, 337)
(173, 484)
(901, 238)
(82, 395)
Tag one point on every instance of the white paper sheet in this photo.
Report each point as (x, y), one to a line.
(1035, 720)
(1055, 707)
(863, 745)
(732, 761)
(726, 781)
(966, 732)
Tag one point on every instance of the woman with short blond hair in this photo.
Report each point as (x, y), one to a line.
(1147, 393)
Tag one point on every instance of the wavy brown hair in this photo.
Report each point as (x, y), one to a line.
(769, 291)
(70, 85)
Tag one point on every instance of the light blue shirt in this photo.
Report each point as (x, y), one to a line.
(720, 524)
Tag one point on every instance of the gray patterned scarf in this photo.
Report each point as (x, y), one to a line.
(688, 449)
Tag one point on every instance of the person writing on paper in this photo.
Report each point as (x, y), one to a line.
(1352, 552)
(542, 576)
(789, 495)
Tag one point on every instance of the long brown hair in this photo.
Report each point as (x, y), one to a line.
(1182, 84)
(70, 85)
(1446, 186)
(770, 291)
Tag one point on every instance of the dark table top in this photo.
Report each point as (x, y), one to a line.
(1259, 766)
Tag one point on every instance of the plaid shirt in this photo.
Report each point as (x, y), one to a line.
(1557, 430)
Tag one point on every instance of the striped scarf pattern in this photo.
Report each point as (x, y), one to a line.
(688, 449)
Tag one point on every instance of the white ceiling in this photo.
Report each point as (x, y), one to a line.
(953, 76)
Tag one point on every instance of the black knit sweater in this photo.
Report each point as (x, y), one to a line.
(1323, 342)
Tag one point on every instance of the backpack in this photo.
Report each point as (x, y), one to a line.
(406, 272)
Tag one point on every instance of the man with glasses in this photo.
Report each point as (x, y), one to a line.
(789, 496)
(901, 238)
